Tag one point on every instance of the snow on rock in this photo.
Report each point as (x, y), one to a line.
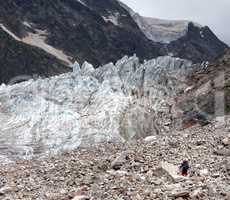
(111, 103)
(27, 24)
(164, 31)
(202, 34)
(160, 30)
(113, 18)
(81, 2)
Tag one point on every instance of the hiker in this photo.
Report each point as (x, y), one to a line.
(184, 168)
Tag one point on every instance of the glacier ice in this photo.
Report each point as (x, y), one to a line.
(160, 30)
(115, 102)
(76, 67)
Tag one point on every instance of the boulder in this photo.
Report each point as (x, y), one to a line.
(5, 190)
(150, 139)
(178, 194)
(204, 172)
(196, 194)
(222, 152)
(119, 161)
(81, 198)
(226, 141)
(172, 171)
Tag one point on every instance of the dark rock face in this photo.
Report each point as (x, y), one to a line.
(18, 59)
(199, 44)
(99, 31)
(80, 31)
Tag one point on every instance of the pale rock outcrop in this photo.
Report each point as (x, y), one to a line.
(150, 139)
(226, 141)
(172, 171)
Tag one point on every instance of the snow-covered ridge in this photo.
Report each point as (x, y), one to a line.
(113, 102)
(160, 30)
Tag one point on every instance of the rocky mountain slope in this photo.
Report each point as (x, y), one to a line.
(209, 94)
(97, 31)
(83, 31)
(17, 58)
(199, 44)
(184, 39)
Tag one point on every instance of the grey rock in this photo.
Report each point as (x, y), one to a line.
(226, 141)
(81, 198)
(119, 161)
(222, 152)
(178, 194)
(172, 171)
(5, 190)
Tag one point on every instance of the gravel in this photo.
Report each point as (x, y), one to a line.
(119, 171)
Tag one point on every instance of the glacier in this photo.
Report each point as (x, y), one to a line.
(115, 102)
(163, 31)
(160, 30)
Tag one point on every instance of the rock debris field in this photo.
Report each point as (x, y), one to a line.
(145, 169)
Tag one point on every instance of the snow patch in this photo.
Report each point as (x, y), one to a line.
(9, 32)
(170, 54)
(112, 18)
(27, 24)
(202, 34)
(82, 3)
(197, 25)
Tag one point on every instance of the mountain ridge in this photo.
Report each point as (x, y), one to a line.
(97, 31)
